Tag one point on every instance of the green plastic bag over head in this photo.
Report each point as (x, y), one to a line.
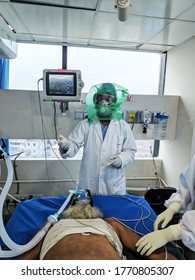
(103, 102)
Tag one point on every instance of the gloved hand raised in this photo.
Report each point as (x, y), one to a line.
(115, 161)
(156, 239)
(166, 216)
(63, 142)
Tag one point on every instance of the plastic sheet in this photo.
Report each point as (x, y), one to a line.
(113, 111)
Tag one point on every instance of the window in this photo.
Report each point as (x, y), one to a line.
(28, 67)
(132, 70)
(129, 69)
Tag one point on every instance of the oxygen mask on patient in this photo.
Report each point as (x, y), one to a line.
(81, 197)
(14, 249)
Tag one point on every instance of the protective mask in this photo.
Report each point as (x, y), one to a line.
(110, 109)
(104, 111)
(103, 103)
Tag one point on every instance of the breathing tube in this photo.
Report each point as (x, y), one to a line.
(17, 249)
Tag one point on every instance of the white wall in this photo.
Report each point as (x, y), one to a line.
(21, 116)
(21, 119)
(180, 80)
(56, 177)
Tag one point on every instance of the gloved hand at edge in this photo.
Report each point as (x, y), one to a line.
(62, 153)
(156, 239)
(63, 143)
(166, 216)
(115, 161)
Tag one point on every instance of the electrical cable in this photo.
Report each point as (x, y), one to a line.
(17, 249)
(54, 120)
(132, 127)
(73, 180)
(45, 136)
(15, 172)
(8, 194)
(140, 219)
(165, 253)
(156, 171)
(11, 196)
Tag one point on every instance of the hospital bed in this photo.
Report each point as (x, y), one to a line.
(157, 196)
(133, 211)
(19, 234)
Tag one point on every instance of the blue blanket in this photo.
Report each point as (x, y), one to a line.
(29, 216)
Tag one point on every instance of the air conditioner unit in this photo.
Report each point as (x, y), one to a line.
(8, 48)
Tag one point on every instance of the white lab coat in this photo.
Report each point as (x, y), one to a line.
(95, 174)
(185, 195)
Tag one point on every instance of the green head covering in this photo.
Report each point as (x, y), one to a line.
(106, 88)
(103, 102)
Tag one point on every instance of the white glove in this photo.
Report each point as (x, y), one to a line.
(115, 161)
(63, 142)
(166, 216)
(156, 239)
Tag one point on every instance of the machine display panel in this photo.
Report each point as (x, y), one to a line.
(62, 85)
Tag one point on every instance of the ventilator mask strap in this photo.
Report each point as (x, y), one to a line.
(81, 197)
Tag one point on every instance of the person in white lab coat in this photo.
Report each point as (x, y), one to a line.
(182, 201)
(108, 142)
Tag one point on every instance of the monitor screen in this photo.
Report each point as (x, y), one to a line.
(62, 85)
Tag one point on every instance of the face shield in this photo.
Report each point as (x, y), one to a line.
(104, 105)
(104, 100)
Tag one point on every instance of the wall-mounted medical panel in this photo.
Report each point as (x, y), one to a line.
(23, 117)
(152, 116)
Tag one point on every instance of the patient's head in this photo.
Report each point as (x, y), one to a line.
(82, 211)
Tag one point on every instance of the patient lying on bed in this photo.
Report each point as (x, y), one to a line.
(83, 235)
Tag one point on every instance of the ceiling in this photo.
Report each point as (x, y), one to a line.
(152, 25)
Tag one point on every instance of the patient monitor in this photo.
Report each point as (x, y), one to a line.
(62, 85)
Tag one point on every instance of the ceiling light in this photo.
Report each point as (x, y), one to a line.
(123, 8)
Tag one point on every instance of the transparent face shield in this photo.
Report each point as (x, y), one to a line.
(104, 105)
(104, 99)
(103, 102)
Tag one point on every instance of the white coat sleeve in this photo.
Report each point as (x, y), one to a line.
(186, 191)
(188, 229)
(129, 148)
(185, 196)
(77, 138)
